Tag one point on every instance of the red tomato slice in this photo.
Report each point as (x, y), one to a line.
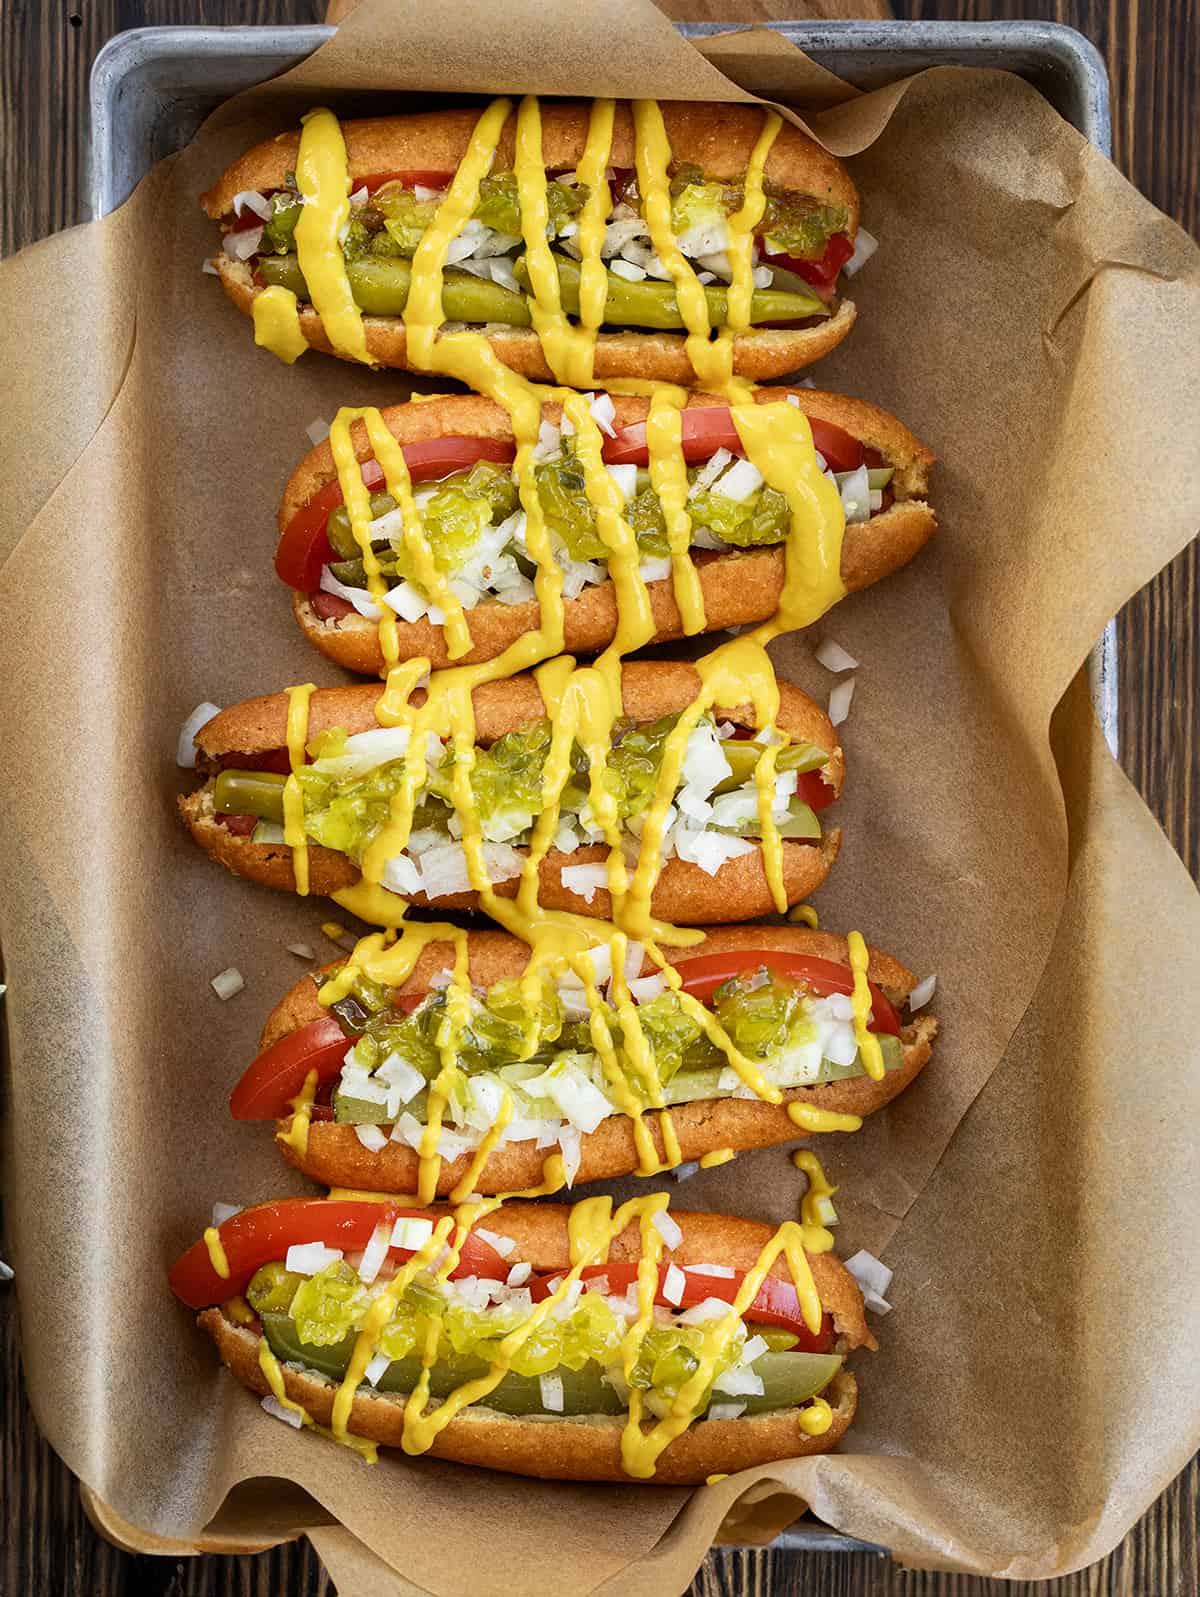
(822, 274)
(775, 1302)
(304, 548)
(276, 1077)
(705, 431)
(812, 789)
(264, 1233)
(703, 975)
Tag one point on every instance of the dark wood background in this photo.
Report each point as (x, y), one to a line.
(47, 1546)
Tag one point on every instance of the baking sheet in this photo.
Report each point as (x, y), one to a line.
(1018, 272)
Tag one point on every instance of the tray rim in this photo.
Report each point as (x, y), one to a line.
(287, 45)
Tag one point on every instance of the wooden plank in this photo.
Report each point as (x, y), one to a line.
(47, 1544)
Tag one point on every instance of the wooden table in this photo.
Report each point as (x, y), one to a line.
(47, 1546)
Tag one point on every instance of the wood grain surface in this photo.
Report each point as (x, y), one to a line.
(48, 1548)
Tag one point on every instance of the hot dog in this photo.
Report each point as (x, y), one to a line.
(459, 451)
(771, 988)
(578, 1376)
(399, 169)
(710, 867)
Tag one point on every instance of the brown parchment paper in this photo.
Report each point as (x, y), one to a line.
(1033, 318)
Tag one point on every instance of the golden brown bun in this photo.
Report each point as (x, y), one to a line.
(684, 894)
(651, 688)
(550, 1449)
(738, 588)
(589, 1449)
(717, 138)
(760, 355)
(335, 1157)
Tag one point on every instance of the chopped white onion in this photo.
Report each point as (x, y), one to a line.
(725, 1411)
(371, 1138)
(604, 413)
(763, 276)
(360, 598)
(209, 267)
(252, 200)
(856, 495)
(876, 1304)
(673, 1284)
(318, 430)
(519, 1273)
(411, 1231)
(301, 950)
(376, 1369)
(631, 272)
(839, 700)
(185, 752)
(502, 1245)
(754, 1348)
(276, 1410)
(401, 875)
(360, 196)
(267, 832)
(834, 658)
(739, 1382)
(922, 993)
(227, 983)
(552, 1393)
(571, 1144)
(685, 1172)
(625, 478)
(865, 245)
(645, 988)
(871, 1273)
(708, 1309)
(444, 868)
(709, 472)
(374, 1254)
(242, 245)
(585, 880)
(721, 1270)
(225, 1211)
(309, 1258)
(667, 1228)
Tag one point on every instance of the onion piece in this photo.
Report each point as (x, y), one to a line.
(185, 752)
(252, 200)
(722, 1271)
(371, 1138)
(225, 1211)
(552, 1393)
(725, 1411)
(317, 430)
(376, 1369)
(411, 1231)
(871, 1273)
(360, 598)
(839, 700)
(209, 267)
(502, 1245)
(865, 245)
(310, 1258)
(685, 1172)
(241, 246)
(276, 1410)
(834, 658)
(301, 950)
(922, 993)
(674, 1283)
(519, 1273)
(227, 983)
(667, 1228)
(585, 880)
(374, 1254)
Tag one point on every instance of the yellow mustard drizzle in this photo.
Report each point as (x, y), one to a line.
(815, 1205)
(860, 1000)
(269, 1365)
(652, 154)
(718, 1156)
(296, 1136)
(809, 1118)
(805, 914)
(669, 479)
(294, 834)
(713, 1480)
(582, 703)
(216, 1252)
(740, 253)
(277, 323)
(323, 178)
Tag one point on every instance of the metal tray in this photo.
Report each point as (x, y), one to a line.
(152, 87)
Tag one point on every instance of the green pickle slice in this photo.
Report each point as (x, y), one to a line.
(788, 1378)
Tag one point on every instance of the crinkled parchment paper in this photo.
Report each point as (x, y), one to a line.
(1034, 319)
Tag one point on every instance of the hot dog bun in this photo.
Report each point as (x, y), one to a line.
(335, 1157)
(717, 138)
(684, 893)
(589, 1448)
(738, 588)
